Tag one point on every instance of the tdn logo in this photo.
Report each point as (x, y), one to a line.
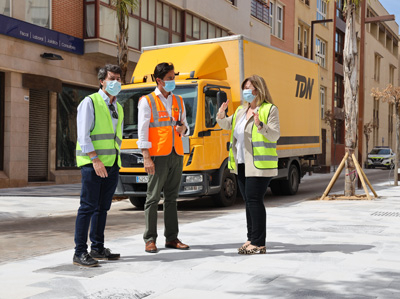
(304, 87)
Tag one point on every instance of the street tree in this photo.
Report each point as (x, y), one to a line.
(367, 132)
(391, 95)
(123, 8)
(350, 67)
(330, 120)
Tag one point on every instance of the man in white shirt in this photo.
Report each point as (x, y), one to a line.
(162, 122)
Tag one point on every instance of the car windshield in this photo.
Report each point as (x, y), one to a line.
(129, 99)
(380, 151)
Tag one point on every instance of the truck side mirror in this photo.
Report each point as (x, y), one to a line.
(221, 98)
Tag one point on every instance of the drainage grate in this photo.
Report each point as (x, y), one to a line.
(386, 214)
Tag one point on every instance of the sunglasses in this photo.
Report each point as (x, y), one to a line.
(114, 113)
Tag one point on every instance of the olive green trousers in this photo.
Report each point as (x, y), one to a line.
(167, 178)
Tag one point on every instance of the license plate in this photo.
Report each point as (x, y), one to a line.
(142, 179)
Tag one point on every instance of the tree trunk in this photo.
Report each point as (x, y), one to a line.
(350, 57)
(366, 148)
(396, 163)
(122, 44)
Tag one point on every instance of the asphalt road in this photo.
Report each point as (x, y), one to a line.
(29, 237)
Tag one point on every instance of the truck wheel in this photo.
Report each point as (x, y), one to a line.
(138, 201)
(227, 196)
(276, 187)
(291, 185)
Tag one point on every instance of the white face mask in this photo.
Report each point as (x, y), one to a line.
(248, 95)
(113, 87)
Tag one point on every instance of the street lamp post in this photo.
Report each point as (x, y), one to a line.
(312, 33)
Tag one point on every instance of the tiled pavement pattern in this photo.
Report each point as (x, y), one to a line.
(316, 249)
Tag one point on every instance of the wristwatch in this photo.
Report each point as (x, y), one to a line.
(261, 125)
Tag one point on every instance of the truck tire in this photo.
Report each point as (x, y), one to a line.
(291, 185)
(138, 201)
(227, 195)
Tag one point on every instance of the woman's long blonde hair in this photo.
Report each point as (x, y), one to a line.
(260, 86)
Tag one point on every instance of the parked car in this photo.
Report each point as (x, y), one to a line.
(381, 156)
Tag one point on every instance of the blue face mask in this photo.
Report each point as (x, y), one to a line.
(113, 87)
(169, 85)
(248, 95)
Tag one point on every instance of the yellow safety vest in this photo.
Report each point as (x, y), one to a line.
(264, 150)
(106, 142)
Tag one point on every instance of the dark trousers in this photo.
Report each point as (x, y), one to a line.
(96, 198)
(253, 190)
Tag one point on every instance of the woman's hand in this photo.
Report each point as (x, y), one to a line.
(222, 109)
(256, 119)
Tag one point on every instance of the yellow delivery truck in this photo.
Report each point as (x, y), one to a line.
(208, 73)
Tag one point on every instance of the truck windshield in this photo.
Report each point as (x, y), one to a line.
(129, 99)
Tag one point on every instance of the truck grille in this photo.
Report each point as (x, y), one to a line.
(131, 160)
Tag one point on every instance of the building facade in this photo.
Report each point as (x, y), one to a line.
(314, 40)
(51, 50)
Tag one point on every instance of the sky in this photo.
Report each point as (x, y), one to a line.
(393, 8)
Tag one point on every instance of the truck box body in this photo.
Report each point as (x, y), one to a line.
(206, 67)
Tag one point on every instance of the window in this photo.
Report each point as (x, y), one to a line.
(38, 12)
(67, 103)
(391, 74)
(339, 92)
(211, 108)
(339, 9)
(320, 52)
(197, 28)
(377, 68)
(321, 9)
(272, 17)
(259, 10)
(279, 21)
(305, 43)
(90, 20)
(299, 41)
(108, 26)
(5, 8)
(339, 46)
(234, 2)
(276, 19)
(322, 99)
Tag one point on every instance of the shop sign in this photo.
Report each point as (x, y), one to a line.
(40, 35)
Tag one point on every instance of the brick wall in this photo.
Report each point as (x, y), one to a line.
(67, 17)
(287, 43)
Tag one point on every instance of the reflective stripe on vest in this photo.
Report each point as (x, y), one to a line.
(264, 151)
(106, 143)
(162, 133)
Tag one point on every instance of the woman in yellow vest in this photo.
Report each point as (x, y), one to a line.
(252, 155)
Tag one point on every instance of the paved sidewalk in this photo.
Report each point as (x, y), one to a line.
(316, 249)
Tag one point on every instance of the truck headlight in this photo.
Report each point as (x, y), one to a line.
(194, 178)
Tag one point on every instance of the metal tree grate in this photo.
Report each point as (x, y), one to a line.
(386, 214)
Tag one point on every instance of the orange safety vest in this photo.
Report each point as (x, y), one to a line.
(162, 133)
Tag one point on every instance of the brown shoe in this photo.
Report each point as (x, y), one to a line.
(151, 247)
(177, 244)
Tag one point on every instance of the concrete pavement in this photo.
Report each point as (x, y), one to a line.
(315, 249)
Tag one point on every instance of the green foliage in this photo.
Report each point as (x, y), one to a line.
(124, 7)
